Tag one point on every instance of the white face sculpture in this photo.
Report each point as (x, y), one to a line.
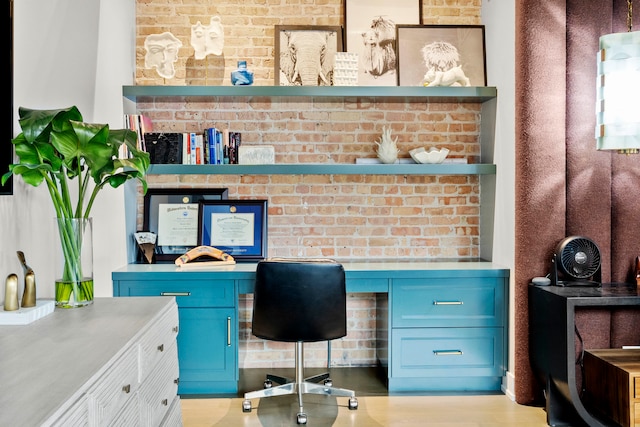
(207, 40)
(162, 52)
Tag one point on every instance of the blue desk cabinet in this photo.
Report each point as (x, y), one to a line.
(208, 332)
(447, 334)
(440, 326)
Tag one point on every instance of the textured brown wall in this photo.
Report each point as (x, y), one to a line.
(564, 186)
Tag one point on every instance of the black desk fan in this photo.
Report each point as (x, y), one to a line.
(576, 262)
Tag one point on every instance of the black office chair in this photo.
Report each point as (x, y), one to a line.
(299, 300)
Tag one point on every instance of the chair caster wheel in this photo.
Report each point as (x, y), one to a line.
(246, 405)
(268, 384)
(301, 418)
(353, 403)
(328, 382)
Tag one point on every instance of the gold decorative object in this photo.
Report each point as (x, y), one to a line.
(11, 293)
(29, 293)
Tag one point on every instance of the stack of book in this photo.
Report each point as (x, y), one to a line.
(211, 147)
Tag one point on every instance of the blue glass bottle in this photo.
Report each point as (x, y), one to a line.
(242, 76)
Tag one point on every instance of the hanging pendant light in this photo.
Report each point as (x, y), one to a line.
(618, 91)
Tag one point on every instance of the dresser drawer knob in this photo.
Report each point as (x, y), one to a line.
(126, 388)
(161, 347)
(175, 329)
(165, 402)
(176, 381)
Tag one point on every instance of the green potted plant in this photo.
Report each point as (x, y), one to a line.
(58, 148)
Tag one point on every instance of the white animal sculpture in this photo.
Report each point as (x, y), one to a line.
(452, 77)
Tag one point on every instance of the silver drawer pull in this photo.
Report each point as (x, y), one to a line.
(126, 388)
(175, 329)
(447, 352)
(175, 294)
(176, 381)
(165, 402)
(161, 347)
(436, 302)
(228, 331)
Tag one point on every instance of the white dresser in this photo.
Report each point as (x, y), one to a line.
(113, 363)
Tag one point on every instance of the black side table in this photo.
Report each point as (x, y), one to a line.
(552, 343)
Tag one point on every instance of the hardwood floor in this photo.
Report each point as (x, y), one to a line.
(376, 407)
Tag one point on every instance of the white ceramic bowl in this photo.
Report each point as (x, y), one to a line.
(433, 155)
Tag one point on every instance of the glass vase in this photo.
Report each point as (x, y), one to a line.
(74, 262)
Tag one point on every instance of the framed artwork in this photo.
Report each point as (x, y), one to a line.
(371, 33)
(6, 152)
(237, 227)
(298, 48)
(172, 214)
(441, 55)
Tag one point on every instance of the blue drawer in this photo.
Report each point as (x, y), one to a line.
(448, 302)
(447, 352)
(191, 293)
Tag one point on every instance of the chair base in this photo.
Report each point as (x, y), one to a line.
(299, 386)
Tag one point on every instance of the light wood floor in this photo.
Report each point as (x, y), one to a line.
(375, 408)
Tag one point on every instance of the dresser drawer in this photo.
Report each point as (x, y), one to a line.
(77, 415)
(446, 352)
(188, 293)
(111, 392)
(173, 418)
(160, 388)
(130, 414)
(155, 342)
(447, 302)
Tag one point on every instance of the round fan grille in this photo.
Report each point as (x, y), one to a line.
(579, 257)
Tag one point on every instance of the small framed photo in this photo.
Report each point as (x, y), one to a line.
(370, 32)
(298, 48)
(237, 227)
(441, 55)
(172, 214)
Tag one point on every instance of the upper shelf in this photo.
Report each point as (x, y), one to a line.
(327, 169)
(432, 94)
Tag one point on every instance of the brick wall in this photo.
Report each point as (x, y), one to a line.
(342, 217)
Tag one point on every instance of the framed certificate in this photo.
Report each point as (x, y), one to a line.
(237, 227)
(172, 214)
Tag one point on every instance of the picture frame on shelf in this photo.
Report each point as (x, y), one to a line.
(370, 32)
(172, 214)
(310, 42)
(237, 227)
(423, 49)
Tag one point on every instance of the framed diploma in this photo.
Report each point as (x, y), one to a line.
(237, 227)
(172, 214)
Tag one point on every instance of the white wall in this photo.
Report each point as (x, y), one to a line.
(68, 52)
(498, 17)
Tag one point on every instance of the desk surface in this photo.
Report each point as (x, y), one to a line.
(361, 276)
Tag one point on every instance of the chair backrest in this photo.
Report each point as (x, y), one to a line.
(299, 300)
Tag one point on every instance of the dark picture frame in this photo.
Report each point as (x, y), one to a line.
(237, 227)
(420, 45)
(370, 32)
(307, 41)
(6, 150)
(158, 200)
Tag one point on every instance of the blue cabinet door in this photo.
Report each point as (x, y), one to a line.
(207, 343)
